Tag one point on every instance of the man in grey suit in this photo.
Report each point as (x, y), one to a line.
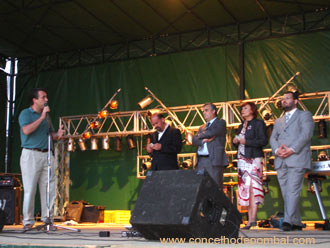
(290, 142)
(211, 140)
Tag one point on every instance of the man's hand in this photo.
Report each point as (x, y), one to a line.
(44, 112)
(157, 146)
(208, 140)
(60, 131)
(284, 151)
(149, 148)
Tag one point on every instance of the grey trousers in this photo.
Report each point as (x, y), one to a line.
(34, 168)
(216, 172)
(291, 181)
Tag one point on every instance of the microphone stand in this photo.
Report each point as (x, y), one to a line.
(48, 224)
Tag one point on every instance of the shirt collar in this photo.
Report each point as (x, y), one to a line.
(291, 111)
(163, 130)
(211, 121)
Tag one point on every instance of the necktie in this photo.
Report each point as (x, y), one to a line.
(287, 117)
(208, 125)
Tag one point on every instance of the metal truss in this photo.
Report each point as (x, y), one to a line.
(163, 43)
(62, 162)
(187, 119)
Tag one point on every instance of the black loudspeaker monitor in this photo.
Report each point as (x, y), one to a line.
(183, 204)
(11, 197)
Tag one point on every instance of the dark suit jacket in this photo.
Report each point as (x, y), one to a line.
(255, 137)
(216, 147)
(166, 158)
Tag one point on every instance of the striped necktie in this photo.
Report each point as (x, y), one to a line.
(287, 117)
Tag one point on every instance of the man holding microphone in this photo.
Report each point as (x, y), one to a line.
(34, 128)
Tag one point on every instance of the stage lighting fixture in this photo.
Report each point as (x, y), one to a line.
(266, 114)
(322, 156)
(130, 142)
(292, 87)
(189, 137)
(105, 143)
(322, 125)
(146, 165)
(271, 160)
(71, 145)
(94, 145)
(103, 114)
(117, 146)
(278, 104)
(145, 102)
(113, 104)
(153, 111)
(94, 124)
(82, 145)
(187, 164)
(86, 135)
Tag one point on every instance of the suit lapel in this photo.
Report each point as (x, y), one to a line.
(163, 134)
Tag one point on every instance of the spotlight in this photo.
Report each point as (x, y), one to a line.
(82, 145)
(145, 102)
(266, 114)
(323, 156)
(94, 145)
(118, 144)
(86, 135)
(113, 104)
(146, 165)
(187, 164)
(278, 104)
(292, 88)
(189, 137)
(103, 114)
(71, 145)
(105, 143)
(153, 111)
(322, 125)
(94, 124)
(130, 142)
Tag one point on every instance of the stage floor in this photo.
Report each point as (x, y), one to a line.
(12, 236)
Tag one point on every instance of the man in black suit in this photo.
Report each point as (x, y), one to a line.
(211, 140)
(165, 145)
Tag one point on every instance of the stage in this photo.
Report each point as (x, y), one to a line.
(12, 236)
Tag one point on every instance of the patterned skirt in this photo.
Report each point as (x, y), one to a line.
(250, 175)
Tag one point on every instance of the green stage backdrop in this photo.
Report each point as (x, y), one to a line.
(109, 178)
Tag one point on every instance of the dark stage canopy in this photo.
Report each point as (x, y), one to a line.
(34, 28)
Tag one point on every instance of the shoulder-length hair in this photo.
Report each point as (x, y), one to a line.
(253, 108)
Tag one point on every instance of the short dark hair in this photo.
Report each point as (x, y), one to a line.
(295, 95)
(159, 116)
(34, 93)
(253, 108)
(213, 107)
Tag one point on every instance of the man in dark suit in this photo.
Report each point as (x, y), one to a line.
(211, 140)
(290, 142)
(165, 145)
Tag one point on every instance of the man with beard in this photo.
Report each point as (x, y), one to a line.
(165, 145)
(290, 142)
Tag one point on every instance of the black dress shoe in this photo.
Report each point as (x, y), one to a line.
(296, 228)
(286, 226)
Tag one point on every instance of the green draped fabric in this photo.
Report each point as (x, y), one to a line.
(109, 178)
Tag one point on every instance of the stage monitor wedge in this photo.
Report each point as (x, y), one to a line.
(183, 204)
